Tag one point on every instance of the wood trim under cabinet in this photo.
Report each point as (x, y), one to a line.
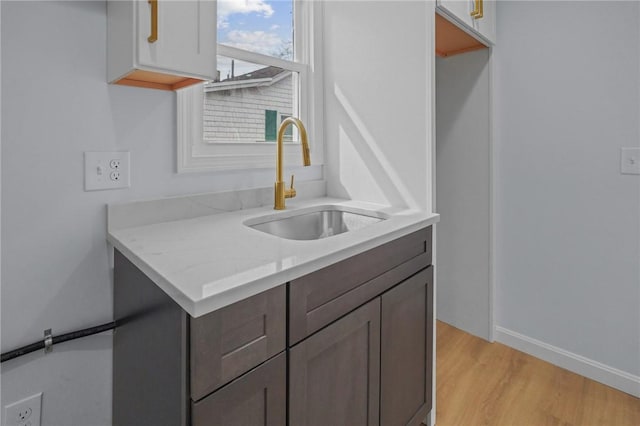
(451, 40)
(156, 80)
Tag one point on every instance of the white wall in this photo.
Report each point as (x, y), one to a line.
(378, 92)
(463, 191)
(568, 223)
(378, 100)
(0, 184)
(55, 272)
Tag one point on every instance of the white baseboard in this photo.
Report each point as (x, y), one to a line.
(578, 364)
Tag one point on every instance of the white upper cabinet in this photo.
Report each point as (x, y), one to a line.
(486, 24)
(458, 9)
(161, 44)
(479, 16)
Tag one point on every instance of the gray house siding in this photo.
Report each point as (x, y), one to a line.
(239, 114)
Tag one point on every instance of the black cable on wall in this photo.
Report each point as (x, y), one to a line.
(57, 339)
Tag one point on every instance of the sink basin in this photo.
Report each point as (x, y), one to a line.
(315, 223)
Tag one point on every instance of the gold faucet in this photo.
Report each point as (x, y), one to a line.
(280, 191)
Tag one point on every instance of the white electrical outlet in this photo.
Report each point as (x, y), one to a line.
(25, 412)
(106, 170)
(630, 161)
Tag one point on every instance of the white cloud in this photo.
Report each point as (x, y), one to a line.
(230, 7)
(255, 41)
(274, 27)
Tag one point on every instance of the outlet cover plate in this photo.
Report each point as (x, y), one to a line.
(106, 170)
(25, 412)
(630, 161)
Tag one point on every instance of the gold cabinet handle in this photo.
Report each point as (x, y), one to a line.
(476, 8)
(154, 21)
(480, 10)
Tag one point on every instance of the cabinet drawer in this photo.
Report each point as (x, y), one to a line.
(257, 398)
(231, 341)
(323, 296)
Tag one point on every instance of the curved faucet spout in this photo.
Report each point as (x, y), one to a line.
(280, 191)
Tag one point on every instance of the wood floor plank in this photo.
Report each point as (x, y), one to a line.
(481, 383)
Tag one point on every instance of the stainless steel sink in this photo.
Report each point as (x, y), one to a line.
(317, 223)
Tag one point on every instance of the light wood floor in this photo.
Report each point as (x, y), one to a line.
(481, 383)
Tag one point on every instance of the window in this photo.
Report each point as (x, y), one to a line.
(264, 76)
(238, 107)
(288, 132)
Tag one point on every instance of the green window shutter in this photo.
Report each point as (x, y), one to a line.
(270, 125)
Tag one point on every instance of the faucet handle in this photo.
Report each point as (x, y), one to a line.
(291, 192)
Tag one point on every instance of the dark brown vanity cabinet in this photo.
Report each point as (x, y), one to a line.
(406, 356)
(257, 398)
(358, 349)
(335, 373)
(360, 338)
(227, 367)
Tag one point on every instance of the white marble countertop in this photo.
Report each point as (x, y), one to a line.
(208, 262)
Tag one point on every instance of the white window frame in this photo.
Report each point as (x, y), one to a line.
(194, 154)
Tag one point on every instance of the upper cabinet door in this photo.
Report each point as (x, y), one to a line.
(478, 16)
(161, 44)
(459, 9)
(185, 36)
(486, 23)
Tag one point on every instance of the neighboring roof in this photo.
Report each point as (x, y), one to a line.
(262, 77)
(266, 72)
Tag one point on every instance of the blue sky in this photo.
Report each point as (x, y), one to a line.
(263, 26)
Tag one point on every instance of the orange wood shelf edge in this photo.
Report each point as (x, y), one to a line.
(451, 40)
(156, 80)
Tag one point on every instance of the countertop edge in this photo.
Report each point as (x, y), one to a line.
(250, 288)
(172, 291)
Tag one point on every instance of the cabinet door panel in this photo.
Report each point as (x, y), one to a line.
(334, 374)
(229, 342)
(487, 24)
(258, 399)
(406, 330)
(186, 36)
(460, 9)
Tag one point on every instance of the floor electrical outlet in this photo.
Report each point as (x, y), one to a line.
(25, 412)
(106, 170)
